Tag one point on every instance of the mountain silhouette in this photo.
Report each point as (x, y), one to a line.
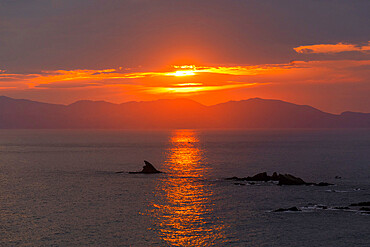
(171, 113)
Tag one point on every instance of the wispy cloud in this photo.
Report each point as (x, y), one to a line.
(189, 79)
(232, 70)
(333, 48)
(199, 88)
(84, 78)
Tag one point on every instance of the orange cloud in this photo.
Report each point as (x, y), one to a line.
(122, 76)
(188, 70)
(333, 48)
(190, 80)
(180, 88)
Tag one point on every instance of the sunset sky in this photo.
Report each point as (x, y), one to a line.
(302, 51)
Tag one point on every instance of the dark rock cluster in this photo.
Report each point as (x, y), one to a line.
(354, 207)
(282, 179)
(292, 209)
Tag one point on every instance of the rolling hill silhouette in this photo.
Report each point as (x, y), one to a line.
(174, 113)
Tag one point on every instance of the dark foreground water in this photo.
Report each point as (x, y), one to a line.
(60, 188)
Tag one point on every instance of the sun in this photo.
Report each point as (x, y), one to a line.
(184, 73)
(184, 70)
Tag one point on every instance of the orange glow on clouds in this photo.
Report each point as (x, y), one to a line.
(180, 88)
(207, 84)
(62, 76)
(182, 73)
(333, 48)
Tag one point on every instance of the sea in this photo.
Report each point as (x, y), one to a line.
(61, 188)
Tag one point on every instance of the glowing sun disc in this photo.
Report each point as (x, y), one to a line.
(183, 73)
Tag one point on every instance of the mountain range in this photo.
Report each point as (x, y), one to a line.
(170, 114)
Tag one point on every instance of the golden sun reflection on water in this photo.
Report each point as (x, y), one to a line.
(184, 215)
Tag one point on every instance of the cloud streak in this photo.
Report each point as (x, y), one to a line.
(200, 88)
(187, 79)
(75, 78)
(333, 48)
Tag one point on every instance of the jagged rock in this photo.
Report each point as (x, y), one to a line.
(260, 177)
(288, 179)
(275, 177)
(361, 204)
(147, 169)
(292, 209)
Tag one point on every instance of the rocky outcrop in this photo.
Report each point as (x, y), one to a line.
(354, 207)
(282, 179)
(292, 209)
(147, 169)
(260, 177)
(288, 179)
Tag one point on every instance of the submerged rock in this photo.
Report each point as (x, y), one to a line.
(147, 169)
(310, 207)
(365, 209)
(360, 204)
(342, 208)
(235, 178)
(239, 184)
(323, 184)
(321, 207)
(292, 209)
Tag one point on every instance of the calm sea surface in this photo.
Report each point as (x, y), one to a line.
(60, 188)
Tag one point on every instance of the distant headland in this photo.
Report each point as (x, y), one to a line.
(172, 114)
